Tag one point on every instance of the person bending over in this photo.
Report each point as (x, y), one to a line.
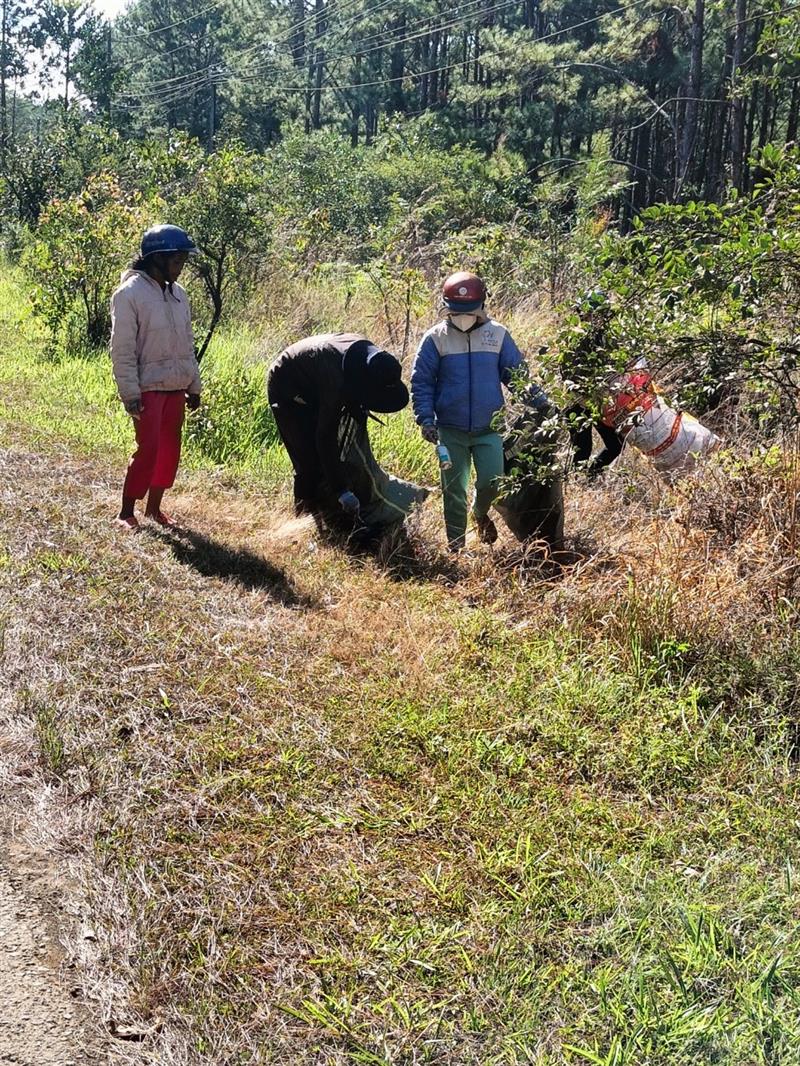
(321, 391)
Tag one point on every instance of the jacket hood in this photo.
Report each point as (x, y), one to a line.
(372, 379)
(130, 272)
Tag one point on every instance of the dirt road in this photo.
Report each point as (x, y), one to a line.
(41, 1021)
(44, 1020)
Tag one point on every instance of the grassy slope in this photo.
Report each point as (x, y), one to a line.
(342, 812)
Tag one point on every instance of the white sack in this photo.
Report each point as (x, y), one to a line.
(673, 441)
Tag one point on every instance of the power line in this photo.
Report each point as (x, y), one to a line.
(429, 19)
(142, 60)
(202, 76)
(171, 25)
(196, 77)
(432, 22)
(431, 27)
(506, 3)
(279, 39)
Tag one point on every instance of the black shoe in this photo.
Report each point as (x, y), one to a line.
(487, 530)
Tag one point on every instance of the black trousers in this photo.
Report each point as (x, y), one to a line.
(581, 437)
(297, 426)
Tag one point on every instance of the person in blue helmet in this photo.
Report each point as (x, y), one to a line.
(457, 382)
(155, 366)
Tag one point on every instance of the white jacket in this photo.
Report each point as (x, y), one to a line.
(152, 346)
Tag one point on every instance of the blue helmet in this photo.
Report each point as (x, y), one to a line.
(167, 239)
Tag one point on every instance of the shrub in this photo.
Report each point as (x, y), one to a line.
(81, 246)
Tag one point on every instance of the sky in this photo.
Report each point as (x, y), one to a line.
(109, 8)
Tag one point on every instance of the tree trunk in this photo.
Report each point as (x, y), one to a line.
(356, 105)
(715, 179)
(425, 61)
(444, 77)
(297, 12)
(476, 79)
(3, 75)
(433, 85)
(688, 134)
(640, 176)
(737, 103)
(397, 67)
(766, 117)
(794, 109)
(319, 61)
(212, 112)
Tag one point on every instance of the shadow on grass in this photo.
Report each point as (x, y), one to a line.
(212, 558)
(537, 563)
(404, 560)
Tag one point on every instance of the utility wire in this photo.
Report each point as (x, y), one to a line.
(406, 39)
(506, 3)
(203, 74)
(429, 19)
(259, 46)
(170, 25)
(195, 78)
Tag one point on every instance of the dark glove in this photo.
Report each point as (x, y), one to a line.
(133, 407)
(193, 400)
(430, 433)
(350, 503)
(535, 397)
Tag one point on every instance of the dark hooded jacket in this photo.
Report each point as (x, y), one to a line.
(333, 374)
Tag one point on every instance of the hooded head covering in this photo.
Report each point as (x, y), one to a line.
(372, 379)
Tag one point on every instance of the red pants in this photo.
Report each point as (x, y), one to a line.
(158, 438)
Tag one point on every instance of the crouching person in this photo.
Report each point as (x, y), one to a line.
(457, 384)
(155, 367)
(586, 366)
(321, 391)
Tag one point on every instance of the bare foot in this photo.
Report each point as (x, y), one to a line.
(131, 524)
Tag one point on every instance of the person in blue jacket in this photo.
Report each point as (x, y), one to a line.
(457, 388)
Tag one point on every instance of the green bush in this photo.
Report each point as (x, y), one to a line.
(79, 251)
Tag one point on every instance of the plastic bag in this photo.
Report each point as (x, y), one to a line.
(672, 440)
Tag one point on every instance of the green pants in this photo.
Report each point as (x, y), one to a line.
(485, 450)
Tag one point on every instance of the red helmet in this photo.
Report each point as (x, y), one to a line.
(464, 292)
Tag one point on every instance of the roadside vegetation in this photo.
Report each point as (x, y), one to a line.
(392, 810)
(396, 808)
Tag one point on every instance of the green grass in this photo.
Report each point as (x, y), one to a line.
(353, 818)
(74, 399)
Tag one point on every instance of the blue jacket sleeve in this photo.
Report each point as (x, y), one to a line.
(424, 375)
(511, 360)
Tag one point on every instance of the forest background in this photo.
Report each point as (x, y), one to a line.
(364, 149)
(408, 811)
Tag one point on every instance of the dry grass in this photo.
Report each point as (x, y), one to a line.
(334, 809)
(344, 810)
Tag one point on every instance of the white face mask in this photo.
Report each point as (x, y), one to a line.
(464, 322)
